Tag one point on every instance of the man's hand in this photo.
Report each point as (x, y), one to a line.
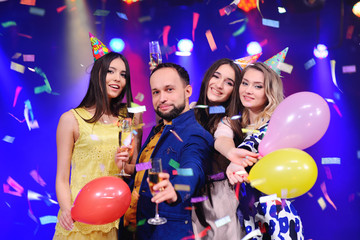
(166, 191)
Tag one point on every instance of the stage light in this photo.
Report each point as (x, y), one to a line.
(130, 1)
(117, 45)
(253, 48)
(356, 9)
(185, 45)
(320, 51)
(247, 5)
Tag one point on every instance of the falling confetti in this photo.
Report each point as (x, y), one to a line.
(8, 139)
(37, 11)
(211, 40)
(36, 176)
(326, 195)
(182, 187)
(17, 67)
(143, 166)
(29, 58)
(216, 109)
(174, 164)
(176, 135)
(330, 160)
(270, 23)
(222, 221)
(349, 69)
(309, 64)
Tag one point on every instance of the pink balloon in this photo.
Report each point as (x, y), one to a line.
(102, 200)
(299, 122)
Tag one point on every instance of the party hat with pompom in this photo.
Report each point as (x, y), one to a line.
(274, 61)
(99, 49)
(243, 62)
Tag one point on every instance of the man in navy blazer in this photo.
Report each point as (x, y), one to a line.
(181, 143)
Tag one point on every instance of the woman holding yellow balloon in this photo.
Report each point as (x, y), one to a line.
(261, 91)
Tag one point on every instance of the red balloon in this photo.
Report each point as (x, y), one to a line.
(101, 201)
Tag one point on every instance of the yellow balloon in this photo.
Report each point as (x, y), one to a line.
(288, 172)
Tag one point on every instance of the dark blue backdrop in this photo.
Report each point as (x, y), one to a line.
(59, 41)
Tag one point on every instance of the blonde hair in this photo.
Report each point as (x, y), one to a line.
(274, 92)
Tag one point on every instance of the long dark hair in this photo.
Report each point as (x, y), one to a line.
(96, 94)
(232, 106)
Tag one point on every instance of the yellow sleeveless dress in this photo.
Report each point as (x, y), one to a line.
(93, 156)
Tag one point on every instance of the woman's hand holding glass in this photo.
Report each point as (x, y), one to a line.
(122, 156)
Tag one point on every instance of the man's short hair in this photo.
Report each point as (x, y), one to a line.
(184, 75)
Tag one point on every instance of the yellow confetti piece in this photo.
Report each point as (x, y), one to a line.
(182, 187)
(245, 130)
(322, 203)
(211, 40)
(285, 67)
(17, 67)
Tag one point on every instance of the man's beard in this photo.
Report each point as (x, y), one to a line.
(175, 112)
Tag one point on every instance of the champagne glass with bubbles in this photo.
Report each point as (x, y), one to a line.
(155, 53)
(125, 140)
(154, 178)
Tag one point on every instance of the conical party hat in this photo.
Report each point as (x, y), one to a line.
(99, 49)
(243, 62)
(274, 61)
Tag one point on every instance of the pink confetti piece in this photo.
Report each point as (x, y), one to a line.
(25, 35)
(195, 22)
(310, 195)
(351, 197)
(328, 172)
(200, 235)
(36, 176)
(166, 31)
(210, 40)
(12, 183)
(337, 109)
(20, 121)
(323, 189)
(198, 199)
(29, 58)
(32, 216)
(218, 176)
(8, 139)
(17, 91)
(349, 32)
(176, 135)
(143, 166)
(17, 67)
(349, 69)
(174, 172)
(60, 9)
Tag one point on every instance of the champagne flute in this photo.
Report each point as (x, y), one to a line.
(154, 178)
(125, 140)
(155, 53)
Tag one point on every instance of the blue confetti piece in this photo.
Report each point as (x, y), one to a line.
(122, 15)
(216, 109)
(185, 172)
(48, 219)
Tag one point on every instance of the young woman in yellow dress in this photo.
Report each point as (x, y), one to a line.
(88, 139)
